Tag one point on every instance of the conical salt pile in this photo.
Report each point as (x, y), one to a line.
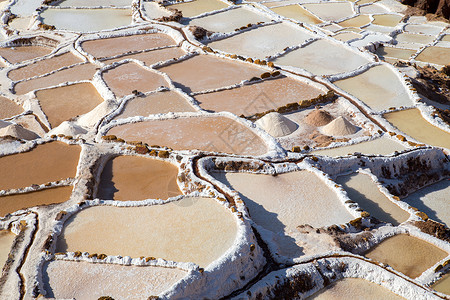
(18, 131)
(276, 124)
(318, 118)
(339, 126)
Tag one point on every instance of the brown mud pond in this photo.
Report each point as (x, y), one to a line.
(442, 286)
(178, 231)
(407, 254)
(12, 203)
(138, 178)
(45, 163)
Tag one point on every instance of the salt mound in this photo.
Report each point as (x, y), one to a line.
(68, 128)
(318, 118)
(18, 131)
(340, 126)
(276, 124)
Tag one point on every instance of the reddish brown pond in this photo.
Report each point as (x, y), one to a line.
(23, 53)
(9, 108)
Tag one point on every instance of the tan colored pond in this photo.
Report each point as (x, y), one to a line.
(414, 38)
(180, 231)
(407, 254)
(443, 285)
(330, 11)
(6, 241)
(199, 73)
(387, 20)
(435, 55)
(219, 134)
(354, 288)
(197, 7)
(404, 54)
(151, 57)
(129, 178)
(347, 36)
(412, 123)
(63, 103)
(82, 280)
(125, 78)
(379, 87)
(296, 12)
(77, 73)
(157, 103)
(259, 97)
(114, 46)
(19, 54)
(44, 66)
(361, 189)
(48, 162)
(9, 108)
(12, 203)
(356, 21)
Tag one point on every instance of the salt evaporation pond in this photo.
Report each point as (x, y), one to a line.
(330, 11)
(150, 57)
(23, 53)
(379, 87)
(63, 103)
(391, 52)
(137, 178)
(9, 108)
(88, 3)
(12, 203)
(354, 288)
(407, 254)
(82, 280)
(433, 200)
(412, 123)
(296, 12)
(435, 55)
(443, 285)
(198, 7)
(6, 241)
(48, 162)
(380, 146)
(358, 21)
(361, 189)
(347, 36)
(389, 20)
(283, 202)
(86, 20)
(218, 134)
(179, 231)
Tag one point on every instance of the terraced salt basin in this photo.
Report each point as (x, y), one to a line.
(87, 3)
(86, 20)
(389, 20)
(407, 254)
(433, 200)
(6, 241)
(150, 57)
(23, 53)
(435, 55)
(9, 108)
(379, 87)
(361, 189)
(354, 288)
(63, 103)
(82, 280)
(296, 12)
(197, 230)
(281, 203)
(198, 7)
(259, 97)
(12, 203)
(443, 285)
(347, 36)
(358, 21)
(391, 52)
(330, 11)
(412, 123)
(262, 41)
(380, 146)
(218, 134)
(45, 163)
(198, 73)
(138, 178)
(323, 57)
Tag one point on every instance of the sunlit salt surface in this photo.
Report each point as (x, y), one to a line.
(197, 230)
(347, 36)
(263, 41)
(156, 103)
(382, 146)
(217, 134)
(283, 202)
(45, 163)
(387, 52)
(356, 21)
(379, 87)
(12, 203)
(23, 53)
(435, 55)
(443, 285)
(124, 79)
(138, 178)
(88, 3)
(387, 20)
(229, 20)
(361, 189)
(9, 108)
(407, 254)
(330, 11)
(152, 10)
(150, 57)
(412, 123)
(63, 103)
(86, 20)
(198, 7)
(323, 57)
(199, 73)
(82, 280)
(6, 240)
(108, 47)
(433, 200)
(414, 38)
(259, 97)
(354, 288)
(298, 13)
(423, 29)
